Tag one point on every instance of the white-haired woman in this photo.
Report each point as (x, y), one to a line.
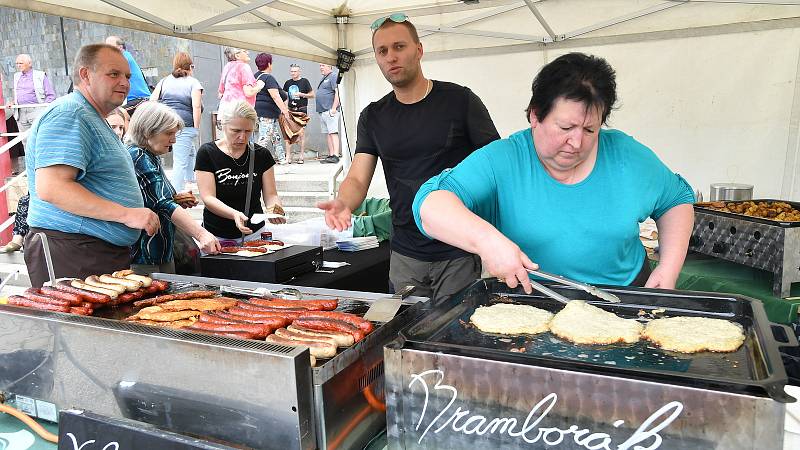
(225, 167)
(151, 133)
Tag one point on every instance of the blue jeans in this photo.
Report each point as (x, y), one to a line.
(183, 154)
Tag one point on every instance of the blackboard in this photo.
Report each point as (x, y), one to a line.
(84, 430)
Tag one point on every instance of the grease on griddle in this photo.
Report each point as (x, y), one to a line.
(500, 298)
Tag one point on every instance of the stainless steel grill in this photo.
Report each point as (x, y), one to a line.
(246, 392)
(760, 243)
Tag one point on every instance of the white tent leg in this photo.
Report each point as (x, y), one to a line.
(790, 188)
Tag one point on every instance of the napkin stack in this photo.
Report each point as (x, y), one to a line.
(357, 243)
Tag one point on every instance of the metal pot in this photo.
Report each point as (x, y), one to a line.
(731, 191)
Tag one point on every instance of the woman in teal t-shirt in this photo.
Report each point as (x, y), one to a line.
(564, 194)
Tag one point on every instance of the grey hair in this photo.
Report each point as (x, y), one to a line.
(150, 119)
(230, 53)
(240, 109)
(26, 57)
(87, 57)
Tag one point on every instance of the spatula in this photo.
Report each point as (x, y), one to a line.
(384, 309)
(595, 291)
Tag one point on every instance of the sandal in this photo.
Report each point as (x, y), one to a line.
(300, 161)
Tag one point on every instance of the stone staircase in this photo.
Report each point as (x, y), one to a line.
(300, 186)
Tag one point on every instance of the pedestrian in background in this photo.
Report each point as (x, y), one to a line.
(31, 87)
(139, 91)
(328, 110)
(118, 121)
(299, 91)
(181, 91)
(237, 82)
(270, 104)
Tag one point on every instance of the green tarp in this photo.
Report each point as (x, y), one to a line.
(707, 274)
(373, 218)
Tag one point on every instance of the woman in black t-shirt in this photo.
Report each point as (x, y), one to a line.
(222, 170)
(270, 104)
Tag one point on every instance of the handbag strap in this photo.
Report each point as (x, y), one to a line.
(160, 88)
(251, 164)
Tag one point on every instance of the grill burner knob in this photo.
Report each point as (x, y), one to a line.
(719, 247)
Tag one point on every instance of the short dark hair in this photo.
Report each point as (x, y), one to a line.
(575, 76)
(406, 23)
(87, 57)
(263, 60)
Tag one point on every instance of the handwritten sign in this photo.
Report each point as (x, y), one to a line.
(533, 428)
(83, 430)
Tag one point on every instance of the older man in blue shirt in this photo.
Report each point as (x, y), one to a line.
(84, 193)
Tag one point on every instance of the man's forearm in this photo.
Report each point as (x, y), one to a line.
(352, 193)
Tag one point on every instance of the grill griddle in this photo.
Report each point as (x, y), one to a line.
(754, 368)
(744, 217)
(332, 365)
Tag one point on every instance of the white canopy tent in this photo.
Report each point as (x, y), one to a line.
(710, 85)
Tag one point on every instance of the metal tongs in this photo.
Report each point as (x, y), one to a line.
(592, 290)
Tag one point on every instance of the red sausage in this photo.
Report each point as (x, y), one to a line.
(160, 284)
(210, 318)
(325, 324)
(153, 289)
(253, 307)
(258, 330)
(17, 300)
(243, 310)
(33, 294)
(81, 311)
(313, 305)
(73, 299)
(129, 297)
(90, 296)
(277, 322)
(364, 325)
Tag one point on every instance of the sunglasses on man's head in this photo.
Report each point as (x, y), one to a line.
(396, 18)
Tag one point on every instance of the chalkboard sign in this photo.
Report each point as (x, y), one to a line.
(84, 430)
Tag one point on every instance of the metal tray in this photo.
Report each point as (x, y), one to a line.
(755, 368)
(776, 223)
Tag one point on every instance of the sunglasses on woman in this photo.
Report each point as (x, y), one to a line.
(396, 18)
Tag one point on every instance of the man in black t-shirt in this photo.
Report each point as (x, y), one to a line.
(299, 91)
(419, 129)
